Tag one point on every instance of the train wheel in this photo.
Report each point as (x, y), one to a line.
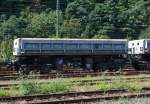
(44, 69)
(24, 70)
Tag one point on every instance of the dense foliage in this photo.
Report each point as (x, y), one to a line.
(78, 19)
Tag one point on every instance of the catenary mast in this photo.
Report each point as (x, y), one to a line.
(57, 18)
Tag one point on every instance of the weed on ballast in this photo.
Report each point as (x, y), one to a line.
(120, 83)
(55, 87)
(26, 87)
(4, 93)
(135, 87)
(8, 93)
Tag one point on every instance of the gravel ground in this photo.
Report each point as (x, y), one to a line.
(121, 101)
(83, 78)
(125, 101)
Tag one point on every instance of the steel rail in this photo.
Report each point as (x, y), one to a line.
(90, 80)
(71, 75)
(85, 81)
(74, 94)
(95, 99)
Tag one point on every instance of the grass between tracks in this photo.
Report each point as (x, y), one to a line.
(27, 87)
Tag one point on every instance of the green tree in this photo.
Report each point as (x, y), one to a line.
(79, 8)
(10, 28)
(145, 34)
(71, 28)
(101, 37)
(112, 18)
(137, 17)
(6, 47)
(41, 25)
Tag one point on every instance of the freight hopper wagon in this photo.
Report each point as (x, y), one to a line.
(46, 54)
(139, 50)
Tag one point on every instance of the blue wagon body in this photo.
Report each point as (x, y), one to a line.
(44, 46)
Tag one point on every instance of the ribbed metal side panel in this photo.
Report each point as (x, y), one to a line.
(69, 47)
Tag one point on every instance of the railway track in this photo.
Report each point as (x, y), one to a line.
(77, 97)
(9, 74)
(82, 82)
(14, 76)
